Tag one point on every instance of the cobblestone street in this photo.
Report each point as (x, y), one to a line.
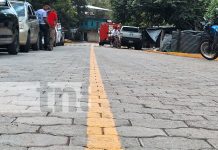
(116, 99)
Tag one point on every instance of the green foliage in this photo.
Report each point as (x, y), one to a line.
(184, 14)
(211, 11)
(100, 3)
(70, 12)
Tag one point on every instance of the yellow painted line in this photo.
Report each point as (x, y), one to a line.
(101, 130)
(178, 54)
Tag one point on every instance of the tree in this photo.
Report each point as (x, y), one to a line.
(211, 10)
(100, 3)
(70, 12)
(184, 14)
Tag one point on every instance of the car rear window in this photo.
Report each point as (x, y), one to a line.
(19, 8)
(129, 29)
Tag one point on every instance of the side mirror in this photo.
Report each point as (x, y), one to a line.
(32, 17)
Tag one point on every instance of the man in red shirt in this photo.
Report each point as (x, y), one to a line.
(52, 22)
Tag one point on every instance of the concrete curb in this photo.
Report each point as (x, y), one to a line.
(177, 54)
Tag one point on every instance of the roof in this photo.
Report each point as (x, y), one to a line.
(97, 8)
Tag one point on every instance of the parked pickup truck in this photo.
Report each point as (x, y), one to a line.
(131, 37)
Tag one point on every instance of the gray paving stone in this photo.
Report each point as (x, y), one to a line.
(147, 111)
(129, 142)
(32, 140)
(6, 119)
(2, 147)
(180, 117)
(15, 115)
(43, 121)
(132, 116)
(174, 143)
(204, 124)
(214, 142)
(64, 130)
(58, 148)
(119, 122)
(139, 132)
(156, 81)
(17, 128)
(68, 115)
(144, 148)
(195, 112)
(211, 118)
(78, 141)
(193, 133)
(157, 123)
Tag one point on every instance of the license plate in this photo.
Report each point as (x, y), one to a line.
(130, 41)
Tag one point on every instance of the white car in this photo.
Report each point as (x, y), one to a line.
(28, 24)
(59, 35)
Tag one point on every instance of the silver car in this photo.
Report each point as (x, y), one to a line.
(28, 25)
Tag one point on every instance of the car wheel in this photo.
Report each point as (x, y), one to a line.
(26, 48)
(138, 46)
(13, 48)
(36, 46)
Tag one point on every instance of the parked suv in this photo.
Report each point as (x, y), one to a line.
(9, 28)
(29, 25)
(131, 37)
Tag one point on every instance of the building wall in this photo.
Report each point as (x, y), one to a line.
(92, 36)
(90, 27)
(91, 23)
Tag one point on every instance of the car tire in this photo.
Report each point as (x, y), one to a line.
(138, 46)
(26, 48)
(13, 48)
(36, 46)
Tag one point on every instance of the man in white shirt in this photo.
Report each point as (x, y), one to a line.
(115, 35)
(115, 32)
(44, 28)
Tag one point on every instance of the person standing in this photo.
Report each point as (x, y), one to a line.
(52, 22)
(44, 27)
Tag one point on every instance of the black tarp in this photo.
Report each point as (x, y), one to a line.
(152, 36)
(187, 41)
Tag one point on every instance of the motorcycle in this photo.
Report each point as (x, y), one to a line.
(116, 42)
(209, 42)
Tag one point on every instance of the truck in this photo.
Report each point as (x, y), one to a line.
(131, 36)
(105, 32)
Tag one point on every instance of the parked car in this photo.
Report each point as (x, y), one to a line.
(131, 37)
(9, 28)
(60, 36)
(29, 26)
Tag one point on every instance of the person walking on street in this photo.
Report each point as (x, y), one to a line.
(52, 22)
(44, 28)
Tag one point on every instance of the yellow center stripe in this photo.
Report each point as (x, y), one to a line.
(102, 133)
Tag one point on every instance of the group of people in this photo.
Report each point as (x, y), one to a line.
(48, 19)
